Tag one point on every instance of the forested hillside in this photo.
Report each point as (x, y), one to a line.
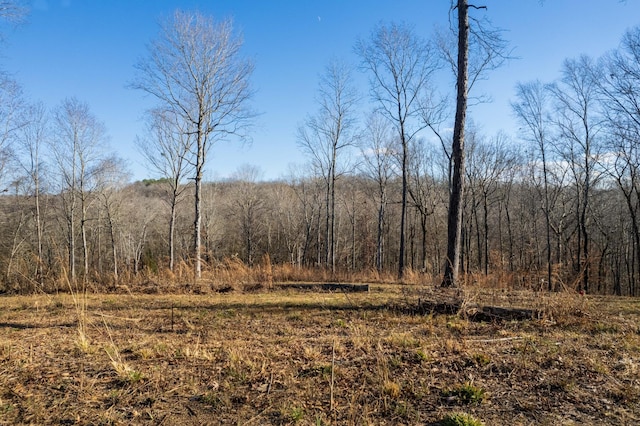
(555, 206)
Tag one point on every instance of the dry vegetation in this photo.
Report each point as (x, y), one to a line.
(284, 356)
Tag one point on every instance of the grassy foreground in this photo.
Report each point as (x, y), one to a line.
(297, 357)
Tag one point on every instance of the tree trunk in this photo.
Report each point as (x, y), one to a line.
(485, 206)
(380, 237)
(83, 233)
(197, 223)
(353, 239)
(583, 221)
(403, 211)
(114, 250)
(332, 229)
(327, 225)
(454, 219)
(172, 232)
(72, 240)
(423, 228)
(38, 220)
(476, 220)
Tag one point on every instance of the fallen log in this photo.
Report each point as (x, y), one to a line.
(495, 313)
(475, 313)
(348, 288)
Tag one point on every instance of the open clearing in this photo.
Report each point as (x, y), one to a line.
(287, 356)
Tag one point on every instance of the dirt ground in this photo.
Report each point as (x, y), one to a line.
(290, 356)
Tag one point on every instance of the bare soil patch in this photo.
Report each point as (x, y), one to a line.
(287, 356)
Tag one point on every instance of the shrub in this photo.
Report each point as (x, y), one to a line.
(460, 419)
(465, 394)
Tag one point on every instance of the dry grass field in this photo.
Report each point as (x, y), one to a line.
(290, 356)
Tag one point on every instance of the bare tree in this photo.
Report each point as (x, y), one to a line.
(532, 111)
(326, 135)
(489, 164)
(578, 125)
(167, 149)
(247, 207)
(423, 190)
(625, 171)
(140, 222)
(618, 80)
(454, 222)
(400, 65)
(307, 190)
(111, 177)
(195, 70)
(11, 120)
(379, 165)
(352, 202)
(289, 224)
(489, 51)
(77, 147)
(12, 105)
(31, 140)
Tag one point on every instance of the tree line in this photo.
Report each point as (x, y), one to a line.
(554, 207)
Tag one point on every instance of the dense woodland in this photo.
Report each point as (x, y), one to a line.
(553, 207)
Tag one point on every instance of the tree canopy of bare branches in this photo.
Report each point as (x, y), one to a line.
(326, 135)
(196, 71)
(400, 65)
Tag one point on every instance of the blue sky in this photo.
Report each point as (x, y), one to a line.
(87, 49)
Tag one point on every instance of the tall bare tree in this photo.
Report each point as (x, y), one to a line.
(195, 70)
(487, 50)
(378, 164)
(489, 163)
(578, 125)
(618, 81)
(326, 135)
(167, 149)
(400, 65)
(111, 176)
(78, 145)
(454, 221)
(31, 140)
(424, 192)
(532, 111)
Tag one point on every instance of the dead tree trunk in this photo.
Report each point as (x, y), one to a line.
(454, 219)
